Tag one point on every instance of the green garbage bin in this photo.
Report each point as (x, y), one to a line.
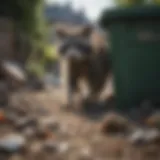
(134, 35)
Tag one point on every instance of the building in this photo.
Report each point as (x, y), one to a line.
(65, 13)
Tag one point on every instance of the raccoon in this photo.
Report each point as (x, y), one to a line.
(84, 57)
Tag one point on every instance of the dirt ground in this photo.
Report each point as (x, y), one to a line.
(72, 136)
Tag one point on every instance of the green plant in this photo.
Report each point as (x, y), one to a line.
(38, 61)
(156, 1)
(129, 2)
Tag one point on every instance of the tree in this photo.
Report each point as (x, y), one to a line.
(28, 15)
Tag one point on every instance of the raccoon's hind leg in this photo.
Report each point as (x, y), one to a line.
(73, 92)
(66, 84)
(96, 79)
(70, 78)
(95, 86)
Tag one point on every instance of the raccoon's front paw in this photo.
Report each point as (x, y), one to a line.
(89, 100)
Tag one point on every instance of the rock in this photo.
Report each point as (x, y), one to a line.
(23, 123)
(29, 132)
(145, 136)
(85, 153)
(115, 124)
(63, 147)
(12, 143)
(82, 154)
(46, 128)
(152, 136)
(137, 137)
(16, 157)
(153, 121)
(97, 138)
(55, 146)
(49, 123)
(20, 111)
(44, 133)
(42, 111)
(36, 148)
(50, 146)
(65, 130)
(13, 71)
(12, 117)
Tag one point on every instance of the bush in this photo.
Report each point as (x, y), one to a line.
(156, 1)
(38, 62)
(129, 2)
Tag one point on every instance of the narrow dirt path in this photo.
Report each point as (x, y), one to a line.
(73, 136)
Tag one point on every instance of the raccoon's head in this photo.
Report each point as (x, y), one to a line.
(75, 44)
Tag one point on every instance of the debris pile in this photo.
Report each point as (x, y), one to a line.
(34, 127)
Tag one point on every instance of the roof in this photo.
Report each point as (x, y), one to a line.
(65, 14)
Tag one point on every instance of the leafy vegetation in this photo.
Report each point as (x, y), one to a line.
(29, 19)
(156, 1)
(135, 2)
(28, 15)
(129, 2)
(37, 62)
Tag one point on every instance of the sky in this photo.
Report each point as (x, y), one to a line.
(93, 8)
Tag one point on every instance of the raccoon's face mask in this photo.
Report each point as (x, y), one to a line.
(76, 45)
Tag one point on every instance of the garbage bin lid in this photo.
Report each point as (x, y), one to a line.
(130, 13)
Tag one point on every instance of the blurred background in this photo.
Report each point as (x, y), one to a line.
(32, 125)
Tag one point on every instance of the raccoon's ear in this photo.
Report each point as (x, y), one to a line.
(60, 33)
(87, 31)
